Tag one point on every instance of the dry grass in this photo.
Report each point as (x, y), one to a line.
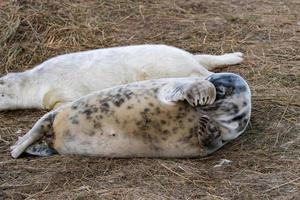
(265, 160)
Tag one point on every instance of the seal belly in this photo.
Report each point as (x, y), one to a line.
(137, 127)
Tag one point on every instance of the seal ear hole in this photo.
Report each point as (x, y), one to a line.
(2, 95)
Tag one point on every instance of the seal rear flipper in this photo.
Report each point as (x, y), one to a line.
(211, 62)
(40, 149)
(41, 127)
(195, 92)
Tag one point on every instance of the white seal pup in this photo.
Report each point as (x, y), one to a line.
(67, 77)
(174, 117)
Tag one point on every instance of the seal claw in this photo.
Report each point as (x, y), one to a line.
(200, 93)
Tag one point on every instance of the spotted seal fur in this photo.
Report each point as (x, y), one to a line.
(174, 117)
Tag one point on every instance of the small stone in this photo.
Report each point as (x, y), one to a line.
(287, 145)
(223, 162)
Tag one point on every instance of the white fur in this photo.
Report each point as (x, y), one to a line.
(211, 61)
(65, 78)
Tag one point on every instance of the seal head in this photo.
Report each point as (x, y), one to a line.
(8, 91)
(232, 107)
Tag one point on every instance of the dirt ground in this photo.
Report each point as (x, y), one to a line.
(265, 160)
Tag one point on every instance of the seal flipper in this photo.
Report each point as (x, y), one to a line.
(209, 135)
(40, 149)
(41, 127)
(195, 92)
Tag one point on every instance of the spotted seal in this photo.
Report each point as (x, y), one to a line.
(174, 117)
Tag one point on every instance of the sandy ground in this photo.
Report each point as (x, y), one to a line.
(265, 160)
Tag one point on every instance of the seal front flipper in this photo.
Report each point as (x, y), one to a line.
(209, 135)
(195, 92)
(56, 97)
(53, 99)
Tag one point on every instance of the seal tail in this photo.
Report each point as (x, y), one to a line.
(213, 61)
(41, 127)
